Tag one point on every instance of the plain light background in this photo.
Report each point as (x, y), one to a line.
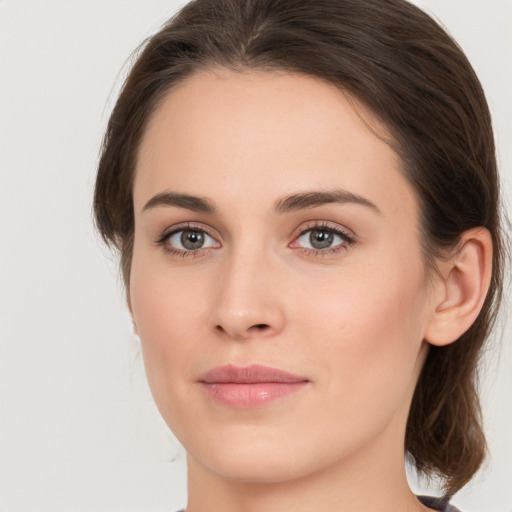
(78, 428)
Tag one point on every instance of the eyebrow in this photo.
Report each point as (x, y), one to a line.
(313, 199)
(194, 203)
(293, 202)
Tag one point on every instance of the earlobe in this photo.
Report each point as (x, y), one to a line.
(463, 287)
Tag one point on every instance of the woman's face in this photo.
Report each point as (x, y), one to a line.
(273, 228)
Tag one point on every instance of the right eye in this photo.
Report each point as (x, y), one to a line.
(187, 240)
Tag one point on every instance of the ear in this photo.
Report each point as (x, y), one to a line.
(461, 288)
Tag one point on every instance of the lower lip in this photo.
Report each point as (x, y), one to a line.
(245, 396)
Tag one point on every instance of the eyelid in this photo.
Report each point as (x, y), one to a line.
(186, 226)
(348, 236)
(322, 224)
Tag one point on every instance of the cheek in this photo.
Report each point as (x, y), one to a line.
(165, 300)
(367, 328)
(171, 322)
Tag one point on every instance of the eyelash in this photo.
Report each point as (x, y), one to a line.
(348, 240)
(162, 241)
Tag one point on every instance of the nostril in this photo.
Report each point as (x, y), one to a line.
(242, 332)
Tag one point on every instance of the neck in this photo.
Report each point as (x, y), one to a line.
(371, 480)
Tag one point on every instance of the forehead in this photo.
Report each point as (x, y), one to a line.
(265, 134)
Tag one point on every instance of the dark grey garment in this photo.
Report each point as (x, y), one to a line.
(440, 504)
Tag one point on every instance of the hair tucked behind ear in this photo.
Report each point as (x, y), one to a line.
(444, 433)
(403, 65)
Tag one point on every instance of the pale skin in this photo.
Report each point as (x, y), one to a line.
(355, 317)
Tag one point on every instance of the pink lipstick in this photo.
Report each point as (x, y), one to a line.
(249, 386)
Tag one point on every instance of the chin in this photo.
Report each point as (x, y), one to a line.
(251, 457)
(255, 467)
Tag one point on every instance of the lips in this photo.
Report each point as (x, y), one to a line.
(249, 386)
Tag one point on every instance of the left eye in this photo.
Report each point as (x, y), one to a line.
(190, 240)
(321, 238)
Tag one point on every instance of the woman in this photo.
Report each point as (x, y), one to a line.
(305, 199)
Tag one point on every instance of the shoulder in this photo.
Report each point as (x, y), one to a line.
(440, 504)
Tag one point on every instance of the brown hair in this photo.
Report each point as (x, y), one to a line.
(407, 69)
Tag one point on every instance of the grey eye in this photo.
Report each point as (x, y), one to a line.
(320, 238)
(191, 240)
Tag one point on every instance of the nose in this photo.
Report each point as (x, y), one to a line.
(249, 299)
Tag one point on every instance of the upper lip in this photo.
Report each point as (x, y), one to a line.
(252, 374)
